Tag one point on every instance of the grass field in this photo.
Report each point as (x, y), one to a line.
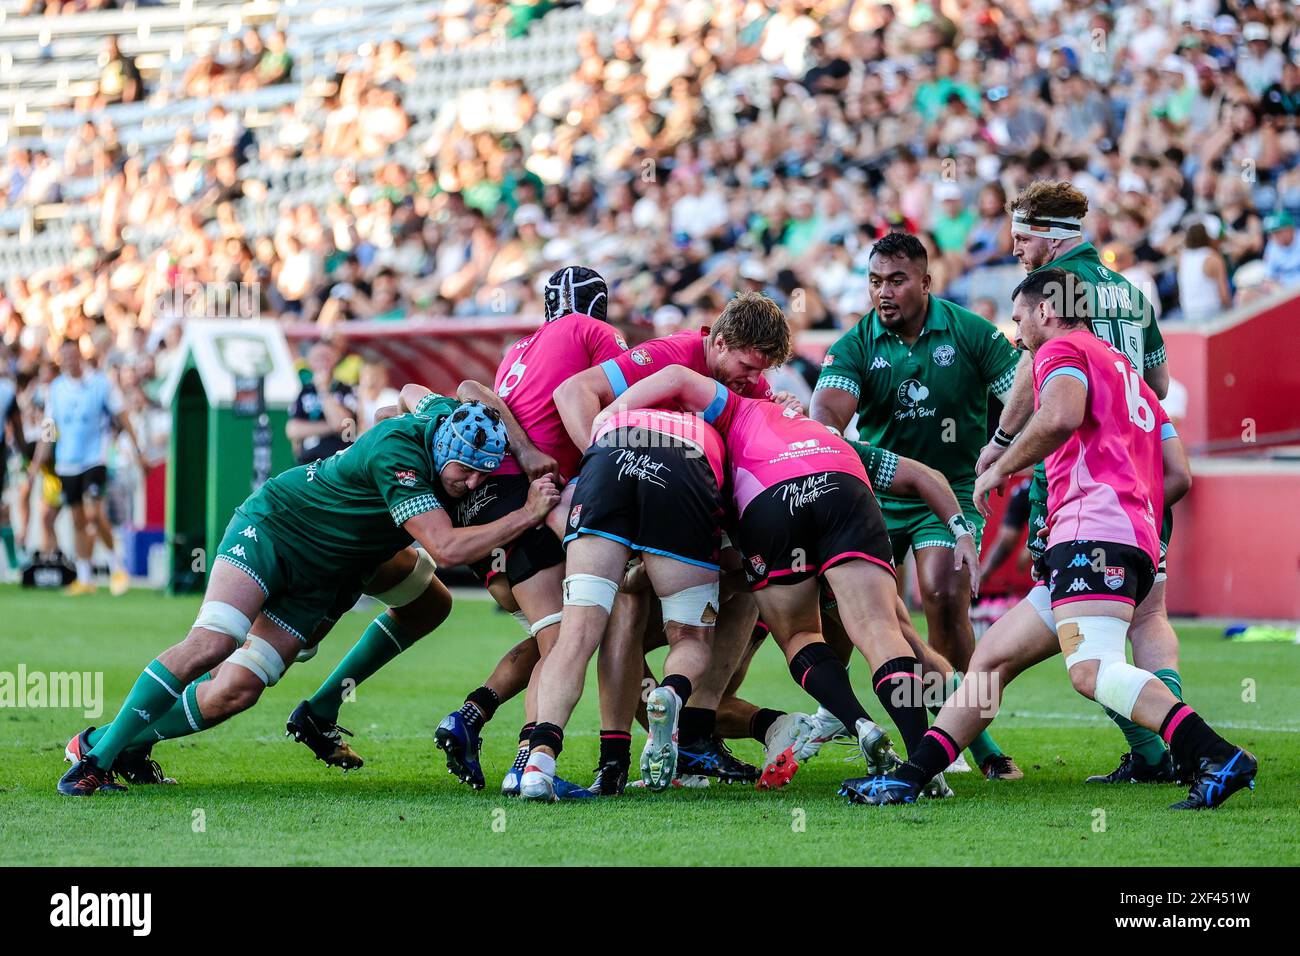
(261, 799)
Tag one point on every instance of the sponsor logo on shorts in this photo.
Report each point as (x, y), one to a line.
(641, 467)
(237, 551)
(880, 362)
(1079, 561)
(1078, 584)
(575, 516)
(641, 357)
(406, 479)
(250, 532)
(944, 356)
(1114, 577)
(758, 564)
(804, 491)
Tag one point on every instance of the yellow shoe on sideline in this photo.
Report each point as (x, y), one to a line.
(119, 583)
(78, 588)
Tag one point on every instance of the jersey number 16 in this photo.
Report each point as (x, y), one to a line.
(1139, 409)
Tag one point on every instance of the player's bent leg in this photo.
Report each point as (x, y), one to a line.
(619, 671)
(945, 595)
(232, 599)
(1017, 641)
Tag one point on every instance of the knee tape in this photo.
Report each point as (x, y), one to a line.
(225, 618)
(590, 590)
(522, 618)
(1103, 639)
(1040, 598)
(261, 658)
(411, 586)
(697, 606)
(544, 623)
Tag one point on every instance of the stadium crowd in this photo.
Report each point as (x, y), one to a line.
(698, 149)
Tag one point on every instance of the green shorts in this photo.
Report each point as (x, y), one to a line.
(1038, 521)
(295, 601)
(913, 525)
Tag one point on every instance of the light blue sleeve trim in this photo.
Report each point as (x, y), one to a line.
(1167, 431)
(718, 404)
(617, 381)
(1069, 370)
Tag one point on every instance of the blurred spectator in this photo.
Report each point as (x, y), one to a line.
(119, 79)
(1282, 252)
(1202, 277)
(323, 419)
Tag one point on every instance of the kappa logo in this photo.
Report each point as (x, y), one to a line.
(1080, 561)
(758, 564)
(880, 362)
(1078, 584)
(575, 516)
(238, 551)
(1114, 577)
(641, 357)
(143, 714)
(944, 356)
(406, 479)
(250, 532)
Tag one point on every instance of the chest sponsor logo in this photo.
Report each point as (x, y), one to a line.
(575, 516)
(805, 491)
(406, 479)
(944, 356)
(758, 564)
(910, 396)
(1114, 577)
(1079, 561)
(1078, 584)
(641, 467)
(880, 362)
(803, 445)
(641, 357)
(250, 532)
(478, 499)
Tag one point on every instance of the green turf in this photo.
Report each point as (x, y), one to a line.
(262, 799)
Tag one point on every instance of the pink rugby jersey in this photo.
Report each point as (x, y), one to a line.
(1106, 483)
(684, 426)
(768, 444)
(535, 366)
(681, 348)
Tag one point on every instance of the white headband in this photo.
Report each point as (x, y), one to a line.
(1056, 227)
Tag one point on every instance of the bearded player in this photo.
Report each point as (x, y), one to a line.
(295, 556)
(1047, 231)
(1103, 436)
(918, 371)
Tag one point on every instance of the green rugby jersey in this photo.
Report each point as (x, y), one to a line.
(928, 401)
(1121, 316)
(344, 514)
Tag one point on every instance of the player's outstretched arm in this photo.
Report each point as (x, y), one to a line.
(833, 406)
(1061, 407)
(1017, 406)
(449, 545)
(673, 387)
(532, 459)
(579, 400)
(914, 479)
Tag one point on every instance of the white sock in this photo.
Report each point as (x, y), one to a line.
(83, 570)
(115, 563)
(541, 762)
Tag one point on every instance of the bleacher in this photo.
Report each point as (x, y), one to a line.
(48, 63)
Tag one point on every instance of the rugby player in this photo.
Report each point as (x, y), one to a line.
(11, 419)
(806, 515)
(1047, 231)
(1105, 440)
(643, 466)
(918, 370)
(80, 405)
(295, 556)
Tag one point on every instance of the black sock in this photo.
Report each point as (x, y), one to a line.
(818, 671)
(680, 684)
(1191, 738)
(526, 731)
(479, 706)
(934, 752)
(761, 722)
(900, 689)
(696, 723)
(547, 735)
(615, 746)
